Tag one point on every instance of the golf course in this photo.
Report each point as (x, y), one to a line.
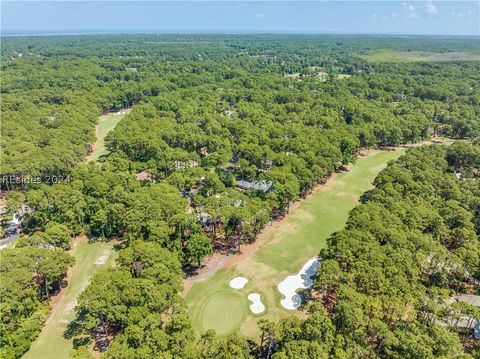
(51, 343)
(282, 251)
(106, 123)
(89, 257)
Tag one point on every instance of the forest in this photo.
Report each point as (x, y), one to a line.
(226, 132)
(49, 114)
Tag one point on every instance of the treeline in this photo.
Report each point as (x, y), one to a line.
(106, 205)
(29, 277)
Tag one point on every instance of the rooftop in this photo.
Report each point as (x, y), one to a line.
(467, 298)
(262, 185)
(143, 176)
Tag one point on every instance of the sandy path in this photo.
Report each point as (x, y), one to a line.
(57, 298)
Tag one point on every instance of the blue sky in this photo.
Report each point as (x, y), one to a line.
(380, 17)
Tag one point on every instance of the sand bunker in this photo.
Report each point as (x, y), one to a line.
(103, 258)
(71, 306)
(257, 306)
(238, 282)
(289, 286)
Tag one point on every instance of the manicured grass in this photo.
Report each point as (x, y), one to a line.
(415, 56)
(223, 312)
(51, 344)
(106, 123)
(214, 297)
(307, 227)
(215, 305)
(284, 251)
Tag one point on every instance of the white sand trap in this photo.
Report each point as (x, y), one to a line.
(257, 306)
(71, 306)
(103, 258)
(289, 286)
(238, 282)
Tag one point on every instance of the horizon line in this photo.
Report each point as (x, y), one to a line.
(85, 32)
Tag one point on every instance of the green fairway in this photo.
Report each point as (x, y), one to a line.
(51, 344)
(106, 123)
(307, 228)
(283, 251)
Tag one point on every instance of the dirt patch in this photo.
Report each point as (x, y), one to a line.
(295, 75)
(57, 298)
(78, 239)
(211, 265)
(125, 111)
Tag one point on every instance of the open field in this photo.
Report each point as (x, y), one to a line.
(282, 252)
(106, 123)
(51, 344)
(417, 56)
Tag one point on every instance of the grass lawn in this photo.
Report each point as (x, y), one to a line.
(415, 56)
(51, 344)
(282, 252)
(106, 123)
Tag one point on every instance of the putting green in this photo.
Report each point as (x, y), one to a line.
(221, 307)
(282, 252)
(223, 311)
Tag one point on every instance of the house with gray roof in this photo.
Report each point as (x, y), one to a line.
(465, 322)
(262, 186)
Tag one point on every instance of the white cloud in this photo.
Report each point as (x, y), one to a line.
(374, 15)
(260, 16)
(411, 9)
(394, 15)
(431, 9)
(408, 7)
(461, 15)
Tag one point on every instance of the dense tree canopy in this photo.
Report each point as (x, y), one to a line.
(30, 275)
(230, 131)
(53, 89)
